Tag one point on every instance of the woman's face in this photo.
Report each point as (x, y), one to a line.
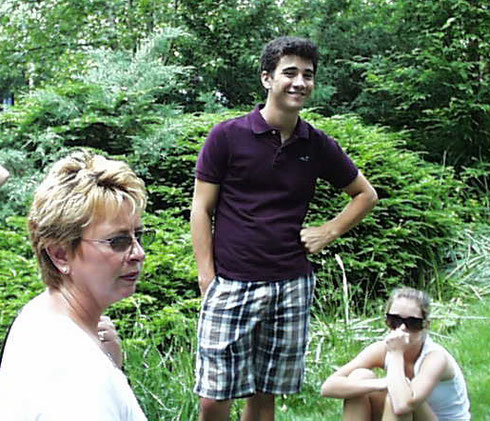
(405, 307)
(100, 273)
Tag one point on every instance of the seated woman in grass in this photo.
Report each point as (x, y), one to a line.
(62, 357)
(423, 381)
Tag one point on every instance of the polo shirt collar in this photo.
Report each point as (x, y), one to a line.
(260, 126)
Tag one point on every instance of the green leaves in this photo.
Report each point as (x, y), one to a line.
(419, 213)
(436, 81)
(422, 206)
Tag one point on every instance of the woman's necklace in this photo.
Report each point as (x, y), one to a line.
(72, 314)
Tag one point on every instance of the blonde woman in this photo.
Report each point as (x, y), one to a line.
(423, 381)
(62, 357)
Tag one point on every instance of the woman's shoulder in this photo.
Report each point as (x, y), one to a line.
(434, 353)
(430, 347)
(40, 340)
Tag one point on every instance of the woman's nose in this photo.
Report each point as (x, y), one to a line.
(137, 251)
(403, 326)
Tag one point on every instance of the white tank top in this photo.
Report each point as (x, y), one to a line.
(449, 399)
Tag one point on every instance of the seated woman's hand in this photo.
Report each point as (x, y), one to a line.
(110, 340)
(397, 340)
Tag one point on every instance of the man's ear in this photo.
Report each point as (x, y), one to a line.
(266, 79)
(59, 257)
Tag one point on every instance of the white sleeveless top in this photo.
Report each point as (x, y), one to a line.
(449, 399)
(52, 370)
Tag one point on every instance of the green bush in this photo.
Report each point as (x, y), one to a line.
(419, 212)
(421, 208)
(19, 280)
(171, 180)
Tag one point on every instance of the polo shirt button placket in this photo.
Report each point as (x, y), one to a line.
(277, 157)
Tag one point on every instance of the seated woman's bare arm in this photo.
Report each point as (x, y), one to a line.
(407, 395)
(344, 386)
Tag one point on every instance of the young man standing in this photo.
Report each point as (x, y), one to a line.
(255, 177)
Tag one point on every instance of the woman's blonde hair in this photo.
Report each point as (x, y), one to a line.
(78, 189)
(420, 297)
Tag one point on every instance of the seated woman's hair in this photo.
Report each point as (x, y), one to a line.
(420, 297)
(79, 189)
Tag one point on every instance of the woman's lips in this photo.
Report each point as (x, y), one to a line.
(131, 277)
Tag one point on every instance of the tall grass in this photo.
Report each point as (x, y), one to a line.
(469, 345)
(163, 376)
(469, 271)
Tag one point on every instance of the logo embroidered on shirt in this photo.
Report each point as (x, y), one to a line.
(305, 158)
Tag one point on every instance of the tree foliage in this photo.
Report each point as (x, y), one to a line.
(417, 66)
(108, 85)
(124, 102)
(435, 80)
(343, 30)
(49, 40)
(411, 65)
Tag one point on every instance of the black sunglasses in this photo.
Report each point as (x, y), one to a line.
(121, 243)
(413, 324)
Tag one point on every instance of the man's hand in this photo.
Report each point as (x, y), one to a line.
(204, 283)
(315, 239)
(109, 339)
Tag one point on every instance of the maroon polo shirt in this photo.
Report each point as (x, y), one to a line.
(265, 189)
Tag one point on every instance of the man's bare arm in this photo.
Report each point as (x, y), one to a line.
(364, 198)
(203, 205)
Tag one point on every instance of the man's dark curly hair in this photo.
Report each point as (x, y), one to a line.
(284, 46)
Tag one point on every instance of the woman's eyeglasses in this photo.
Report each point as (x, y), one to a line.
(413, 324)
(121, 243)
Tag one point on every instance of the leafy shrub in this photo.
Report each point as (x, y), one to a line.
(175, 173)
(19, 281)
(418, 215)
(121, 105)
(435, 81)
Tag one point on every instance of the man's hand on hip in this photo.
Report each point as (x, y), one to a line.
(315, 239)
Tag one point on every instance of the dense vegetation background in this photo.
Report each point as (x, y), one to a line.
(403, 86)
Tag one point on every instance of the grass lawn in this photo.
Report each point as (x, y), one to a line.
(163, 381)
(470, 345)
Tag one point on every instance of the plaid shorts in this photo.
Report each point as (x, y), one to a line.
(252, 337)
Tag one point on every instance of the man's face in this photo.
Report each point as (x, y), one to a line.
(291, 83)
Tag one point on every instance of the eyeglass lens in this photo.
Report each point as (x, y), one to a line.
(122, 243)
(394, 321)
